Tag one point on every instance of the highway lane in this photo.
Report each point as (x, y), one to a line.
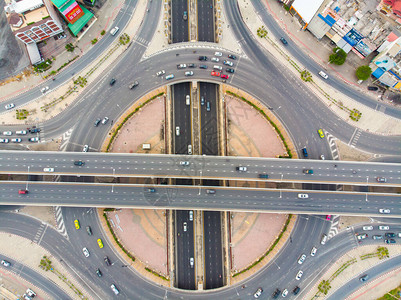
(212, 167)
(206, 20)
(179, 26)
(188, 197)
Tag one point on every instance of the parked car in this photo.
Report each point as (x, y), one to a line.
(100, 243)
(296, 290)
(224, 76)
(203, 58)
(171, 76)
(324, 239)
(77, 225)
(232, 56)
(7, 132)
(230, 70)
(373, 88)
(4, 141)
(191, 65)
(228, 63)
(285, 293)
(389, 234)
(202, 67)
(328, 217)
(189, 73)
(215, 59)
(107, 261)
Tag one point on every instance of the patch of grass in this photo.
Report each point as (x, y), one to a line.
(21, 114)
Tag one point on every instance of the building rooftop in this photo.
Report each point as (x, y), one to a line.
(22, 6)
(28, 18)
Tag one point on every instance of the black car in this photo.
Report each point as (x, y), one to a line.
(34, 130)
(191, 65)
(390, 241)
(98, 273)
(284, 41)
(296, 290)
(112, 81)
(276, 294)
(107, 261)
(79, 163)
(364, 278)
(229, 70)
(203, 58)
(202, 67)
(97, 122)
(232, 56)
(389, 235)
(373, 88)
(263, 176)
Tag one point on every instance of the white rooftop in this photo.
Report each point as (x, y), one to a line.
(23, 6)
(307, 8)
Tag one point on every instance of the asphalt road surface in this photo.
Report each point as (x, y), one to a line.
(206, 21)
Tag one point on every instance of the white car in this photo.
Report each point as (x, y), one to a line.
(184, 163)
(45, 89)
(17, 140)
(384, 211)
(9, 106)
(324, 239)
(302, 259)
(5, 263)
(313, 251)
(3, 140)
(322, 157)
(258, 292)
(177, 130)
(189, 73)
(285, 293)
(7, 132)
(191, 262)
(86, 148)
(303, 196)
(34, 139)
(185, 226)
(86, 252)
(50, 170)
(160, 73)
(299, 275)
(228, 63)
(384, 227)
(191, 215)
(215, 59)
(324, 75)
(30, 293)
(218, 54)
(114, 289)
(367, 227)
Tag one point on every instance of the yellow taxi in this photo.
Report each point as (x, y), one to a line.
(77, 226)
(321, 134)
(100, 243)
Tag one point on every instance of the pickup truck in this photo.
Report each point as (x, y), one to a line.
(308, 171)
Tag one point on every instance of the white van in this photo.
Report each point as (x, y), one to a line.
(187, 100)
(114, 30)
(324, 75)
(220, 68)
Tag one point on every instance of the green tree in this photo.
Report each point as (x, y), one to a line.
(69, 47)
(363, 72)
(338, 57)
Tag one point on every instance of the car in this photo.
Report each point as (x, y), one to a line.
(23, 192)
(151, 190)
(218, 54)
(373, 88)
(191, 65)
(324, 75)
(285, 293)
(98, 273)
(44, 89)
(50, 170)
(322, 157)
(187, 100)
(215, 73)
(203, 58)
(258, 292)
(114, 30)
(97, 122)
(364, 278)
(181, 66)
(384, 227)
(313, 251)
(189, 149)
(191, 215)
(299, 275)
(4, 141)
(367, 227)
(202, 67)
(328, 217)
(160, 73)
(105, 120)
(202, 100)
(100, 243)
(399, 234)
(112, 81)
(321, 134)
(301, 259)
(215, 59)
(229, 70)
(296, 290)
(381, 179)
(185, 16)
(210, 191)
(79, 163)
(5, 263)
(276, 293)
(20, 132)
(30, 293)
(7, 132)
(304, 152)
(133, 84)
(390, 241)
(232, 56)
(89, 230)
(303, 196)
(114, 289)
(264, 176)
(34, 130)
(107, 261)
(217, 67)
(307, 171)
(228, 63)
(389, 234)
(184, 163)
(171, 76)
(191, 262)
(189, 73)
(362, 236)
(86, 148)
(10, 106)
(241, 169)
(77, 225)
(17, 140)
(177, 130)
(34, 139)
(284, 41)
(384, 210)
(224, 76)
(184, 225)
(377, 237)
(208, 106)
(323, 240)
(86, 252)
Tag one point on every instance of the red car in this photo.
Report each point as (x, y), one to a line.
(214, 73)
(328, 217)
(23, 192)
(224, 76)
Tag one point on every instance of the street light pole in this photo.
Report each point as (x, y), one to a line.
(27, 180)
(200, 181)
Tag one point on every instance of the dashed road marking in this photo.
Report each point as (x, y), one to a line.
(332, 144)
(334, 226)
(58, 214)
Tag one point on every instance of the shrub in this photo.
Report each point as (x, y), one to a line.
(94, 41)
(103, 32)
(69, 47)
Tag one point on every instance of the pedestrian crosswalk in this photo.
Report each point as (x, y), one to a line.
(355, 137)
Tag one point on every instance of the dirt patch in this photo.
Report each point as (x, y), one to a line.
(349, 153)
(44, 213)
(345, 221)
